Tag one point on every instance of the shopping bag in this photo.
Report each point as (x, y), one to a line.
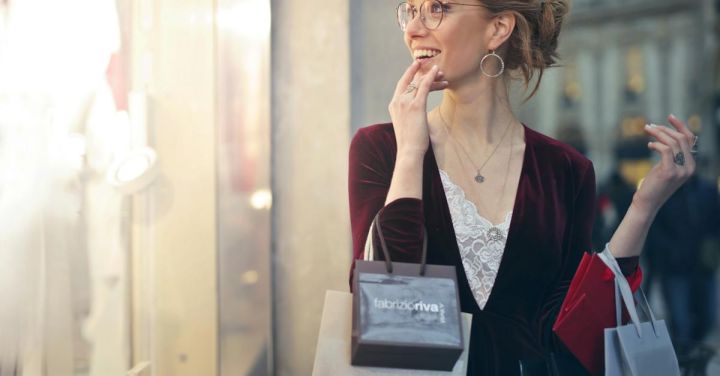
(332, 354)
(587, 310)
(639, 348)
(405, 315)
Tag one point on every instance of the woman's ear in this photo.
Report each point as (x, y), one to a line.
(501, 27)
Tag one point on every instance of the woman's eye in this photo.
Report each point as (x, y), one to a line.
(437, 8)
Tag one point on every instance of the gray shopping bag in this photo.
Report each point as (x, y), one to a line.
(638, 348)
(405, 315)
(332, 355)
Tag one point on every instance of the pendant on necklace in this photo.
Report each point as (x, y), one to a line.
(494, 234)
(479, 178)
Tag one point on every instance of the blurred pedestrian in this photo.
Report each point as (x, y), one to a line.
(683, 243)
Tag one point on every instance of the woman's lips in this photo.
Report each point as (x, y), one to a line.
(426, 60)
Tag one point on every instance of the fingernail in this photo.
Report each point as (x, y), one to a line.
(435, 66)
(649, 126)
(673, 116)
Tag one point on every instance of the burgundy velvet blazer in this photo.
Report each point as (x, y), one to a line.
(549, 232)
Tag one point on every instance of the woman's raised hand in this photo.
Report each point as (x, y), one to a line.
(408, 109)
(676, 164)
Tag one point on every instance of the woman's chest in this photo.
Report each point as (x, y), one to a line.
(537, 232)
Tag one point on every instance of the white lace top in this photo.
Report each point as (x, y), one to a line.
(480, 242)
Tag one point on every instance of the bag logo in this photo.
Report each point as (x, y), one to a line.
(414, 307)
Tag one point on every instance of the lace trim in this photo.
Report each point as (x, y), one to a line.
(481, 242)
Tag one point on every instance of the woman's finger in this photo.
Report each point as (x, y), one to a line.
(424, 86)
(666, 154)
(406, 78)
(685, 146)
(664, 138)
(682, 128)
(684, 140)
(438, 85)
(680, 138)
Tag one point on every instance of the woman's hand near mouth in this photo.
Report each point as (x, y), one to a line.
(408, 111)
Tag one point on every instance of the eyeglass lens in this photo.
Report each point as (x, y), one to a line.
(431, 14)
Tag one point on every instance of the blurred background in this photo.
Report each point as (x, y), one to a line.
(173, 193)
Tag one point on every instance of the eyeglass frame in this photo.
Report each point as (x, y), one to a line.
(419, 11)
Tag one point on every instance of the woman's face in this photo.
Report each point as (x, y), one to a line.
(456, 46)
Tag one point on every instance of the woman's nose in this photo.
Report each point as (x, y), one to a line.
(415, 26)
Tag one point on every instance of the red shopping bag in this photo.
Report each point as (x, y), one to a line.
(589, 308)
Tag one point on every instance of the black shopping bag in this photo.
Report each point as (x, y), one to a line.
(405, 315)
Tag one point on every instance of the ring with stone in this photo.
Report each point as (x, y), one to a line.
(679, 159)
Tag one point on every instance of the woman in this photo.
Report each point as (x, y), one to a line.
(511, 208)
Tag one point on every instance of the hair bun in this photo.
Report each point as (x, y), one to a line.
(552, 13)
(532, 47)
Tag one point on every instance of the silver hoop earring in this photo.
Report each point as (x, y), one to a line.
(502, 64)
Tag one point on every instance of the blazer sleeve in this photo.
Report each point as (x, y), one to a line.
(581, 221)
(371, 164)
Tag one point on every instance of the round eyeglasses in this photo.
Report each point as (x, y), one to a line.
(431, 13)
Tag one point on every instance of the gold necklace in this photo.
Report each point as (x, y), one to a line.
(479, 178)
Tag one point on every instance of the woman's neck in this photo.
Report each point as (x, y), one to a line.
(477, 113)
